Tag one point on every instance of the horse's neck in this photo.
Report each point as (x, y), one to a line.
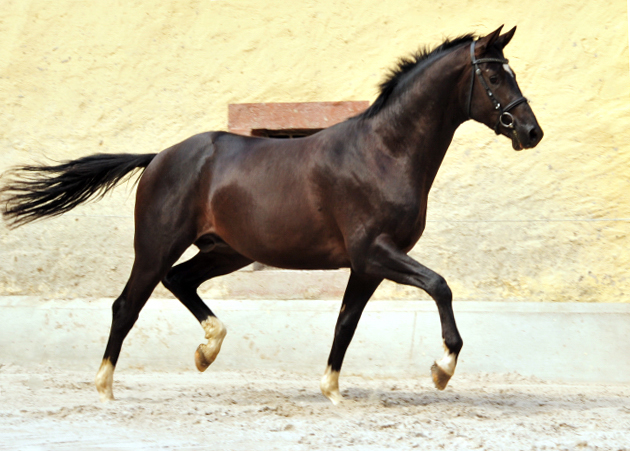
(421, 123)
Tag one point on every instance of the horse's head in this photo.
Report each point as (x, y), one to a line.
(494, 97)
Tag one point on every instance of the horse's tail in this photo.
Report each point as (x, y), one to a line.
(35, 192)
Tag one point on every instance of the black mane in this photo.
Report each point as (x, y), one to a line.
(404, 66)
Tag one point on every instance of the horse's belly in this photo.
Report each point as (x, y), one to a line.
(286, 232)
(289, 250)
(302, 260)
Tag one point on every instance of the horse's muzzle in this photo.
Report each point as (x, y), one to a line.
(526, 136)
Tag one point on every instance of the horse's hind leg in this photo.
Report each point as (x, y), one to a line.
(125, 311)
(149, 267)
(358, 293)
(183, 281)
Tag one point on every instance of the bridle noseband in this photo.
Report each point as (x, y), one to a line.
(505, 118)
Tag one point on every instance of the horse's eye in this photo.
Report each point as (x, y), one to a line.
(494, 79)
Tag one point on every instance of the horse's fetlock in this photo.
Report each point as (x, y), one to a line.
(456, 347)
(454, 344)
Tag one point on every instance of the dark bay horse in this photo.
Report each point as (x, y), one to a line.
(353, 195)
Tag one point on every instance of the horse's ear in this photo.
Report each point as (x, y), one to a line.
(487, 41)
(505, 39)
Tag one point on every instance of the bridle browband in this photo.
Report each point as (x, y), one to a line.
(505, 118)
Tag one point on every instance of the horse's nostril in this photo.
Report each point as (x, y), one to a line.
(533, 135)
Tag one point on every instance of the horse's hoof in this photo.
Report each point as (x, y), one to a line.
(329, 386)
(207, 353)
(440, 377)
(331, 392)
(104, 381)
(334, 397)
(106, 397)
(200, 359)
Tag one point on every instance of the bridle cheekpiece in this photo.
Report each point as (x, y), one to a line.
(505, 118)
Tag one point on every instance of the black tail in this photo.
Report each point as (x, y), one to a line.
(35, 192)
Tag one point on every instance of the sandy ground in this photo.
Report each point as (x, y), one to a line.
(48, 409)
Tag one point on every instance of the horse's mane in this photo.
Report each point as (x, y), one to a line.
(406, 65)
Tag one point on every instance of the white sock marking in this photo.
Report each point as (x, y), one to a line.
(104, 381)
(448, 362)
(330, 386)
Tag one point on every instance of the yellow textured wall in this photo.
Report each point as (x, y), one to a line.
(548, 224)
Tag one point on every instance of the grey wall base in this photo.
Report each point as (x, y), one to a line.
(553, 341)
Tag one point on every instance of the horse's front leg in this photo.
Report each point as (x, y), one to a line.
(356, 296)
(384, 259)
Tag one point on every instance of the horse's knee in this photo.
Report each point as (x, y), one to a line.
(439, 290)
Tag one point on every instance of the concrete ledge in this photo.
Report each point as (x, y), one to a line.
(554, 341)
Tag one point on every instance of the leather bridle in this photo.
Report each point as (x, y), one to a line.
(505, 118)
